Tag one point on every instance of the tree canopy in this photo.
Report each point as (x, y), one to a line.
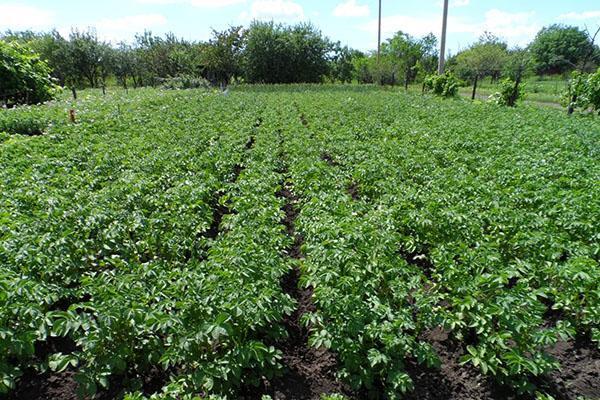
(558, 49)
(275, 53)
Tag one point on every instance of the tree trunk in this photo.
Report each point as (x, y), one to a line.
(474, 88)
(103, 89)
(74, 92)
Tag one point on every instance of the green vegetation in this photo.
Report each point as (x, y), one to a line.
(583, 92)
(22, 123)
(445, 85)
(24, 78)
(558, 49)
(149, 237)
(265, 52)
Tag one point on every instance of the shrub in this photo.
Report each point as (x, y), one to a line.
(184, 82)
(445, 85)
(510, 93)
(24, 78)
(21, 124)
(583, 92)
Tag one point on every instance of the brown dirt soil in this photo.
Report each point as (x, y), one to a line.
(452, 381)
(354, 191)
(329, 159)
(34, 386)
(62, 386)
(309, 372)
(579, 375)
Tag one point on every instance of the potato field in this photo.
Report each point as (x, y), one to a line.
(298, 242)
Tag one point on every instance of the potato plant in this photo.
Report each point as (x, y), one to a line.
(148, 238)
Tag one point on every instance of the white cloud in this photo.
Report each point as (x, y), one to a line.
(418, 26)
(519, 28)
(196, 3)
(124, 28)
(350, 8)
(581, 16)
(21, 17)
(276, 10)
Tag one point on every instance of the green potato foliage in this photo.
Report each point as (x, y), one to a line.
(417, 215)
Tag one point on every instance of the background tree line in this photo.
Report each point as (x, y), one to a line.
(266, 52)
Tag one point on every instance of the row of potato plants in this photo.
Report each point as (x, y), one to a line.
(496, 209)
(245, 267)
(105, 243)
(365, 299)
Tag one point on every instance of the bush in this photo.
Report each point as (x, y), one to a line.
(583, 92)
(184, 82)
(510, 93)
(445, 85)
(24, 78)
(21, 124)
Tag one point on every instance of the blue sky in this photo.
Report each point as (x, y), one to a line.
(353, 22)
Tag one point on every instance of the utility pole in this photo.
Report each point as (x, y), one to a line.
(443, 41)
(379, 35)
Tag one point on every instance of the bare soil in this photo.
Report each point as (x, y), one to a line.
(309, 372)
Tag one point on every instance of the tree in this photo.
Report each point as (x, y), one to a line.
(408, 55)
(123, 64)
(361, 64)
(341, 67)
(85, 53)
(559, 49)
(106, 64)
(24, 77)
(487, 57)
(518, 64)
(276, 53)
(221, 57)
(159, 58)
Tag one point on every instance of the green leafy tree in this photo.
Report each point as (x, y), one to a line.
(362, 67)
(279, 54)
(519, 64)
(559, 49)
(124, 64)
(160, 58)
(487, 57)
(221, 57)
(342, 68)
(409, 55)
(24, 77)
(86, 53)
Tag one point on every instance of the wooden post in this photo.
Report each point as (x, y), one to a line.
(72, 116)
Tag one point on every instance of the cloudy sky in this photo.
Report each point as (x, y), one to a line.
(353, 22)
